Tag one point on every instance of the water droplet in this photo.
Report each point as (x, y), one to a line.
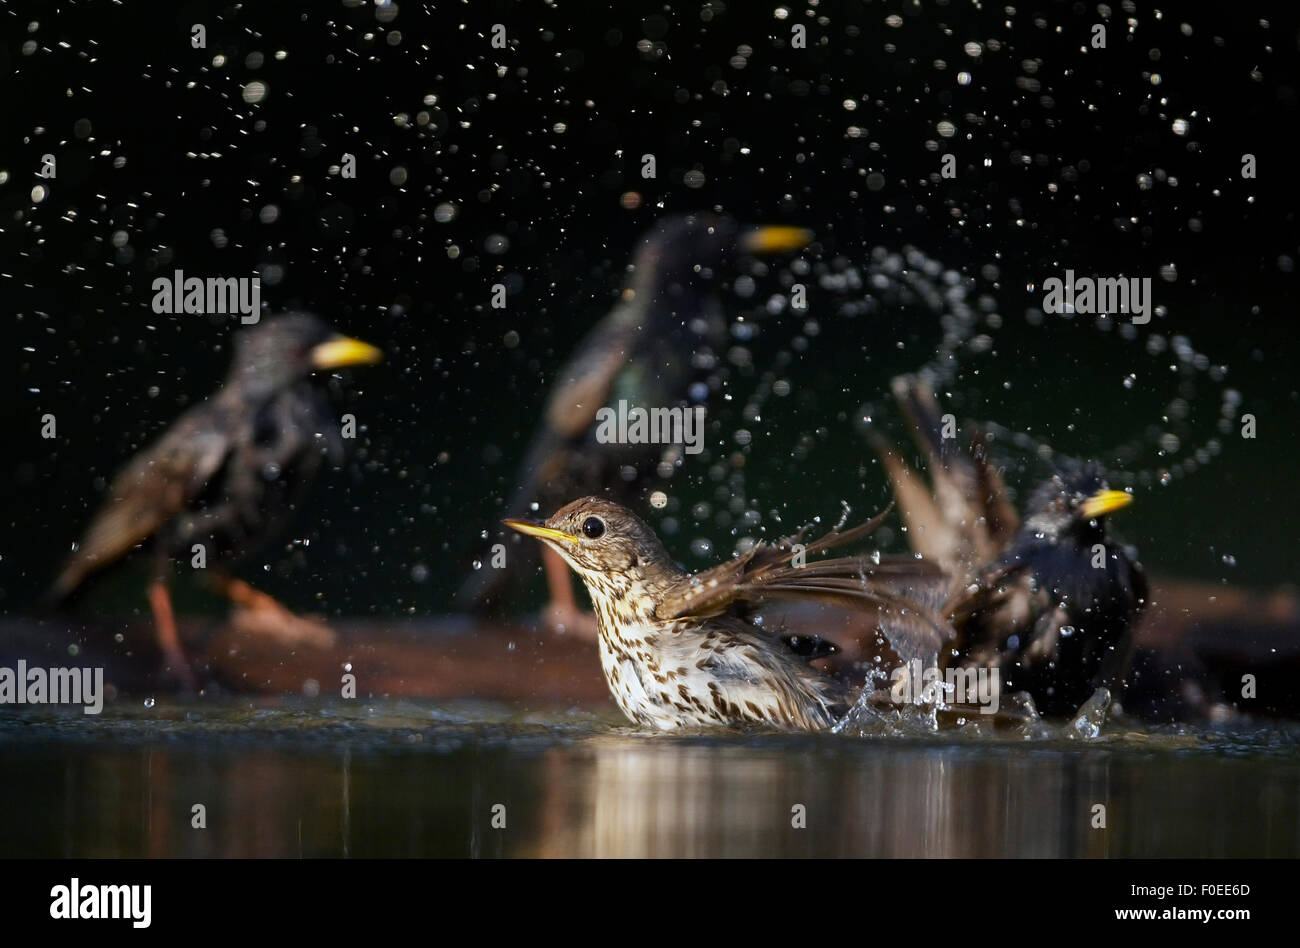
(254, 92)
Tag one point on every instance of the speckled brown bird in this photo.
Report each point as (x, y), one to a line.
(227, 472)
(1053, 603)
(681, 650)
(657, 347)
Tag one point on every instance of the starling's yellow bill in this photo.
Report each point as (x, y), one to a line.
(1104, 502)
(776, 239)
(536, 530)
(342, 351)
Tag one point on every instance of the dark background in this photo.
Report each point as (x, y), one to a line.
(1051, 138)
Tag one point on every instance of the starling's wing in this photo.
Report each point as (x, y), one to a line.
(993, 606)
(1116, 666)
(1000, 518)
(928, 530)
(157, 484)
(557, 466)
(903, 592)
(582, 388)
(969, 519)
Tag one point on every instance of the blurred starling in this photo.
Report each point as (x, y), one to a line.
(1052, 604)
(657, 348)
(228, 471)
(680, 650)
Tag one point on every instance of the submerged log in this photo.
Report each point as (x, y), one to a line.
(1195, 645)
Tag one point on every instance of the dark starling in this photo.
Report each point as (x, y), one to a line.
(681, 650)
(228, 471)
(1052, 604)
(1058, 609)
(658, 348)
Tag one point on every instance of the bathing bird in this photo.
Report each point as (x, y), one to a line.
(682, 650)
(1051, 603)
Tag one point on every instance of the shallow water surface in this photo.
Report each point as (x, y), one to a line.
(403, 778)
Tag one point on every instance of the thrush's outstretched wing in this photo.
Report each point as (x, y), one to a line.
(158, 483)
(904, 593)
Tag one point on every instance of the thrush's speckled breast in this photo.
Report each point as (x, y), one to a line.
(681, 650)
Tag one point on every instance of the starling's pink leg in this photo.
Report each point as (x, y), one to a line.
(259, 612)
(168, 639)
(563, 614)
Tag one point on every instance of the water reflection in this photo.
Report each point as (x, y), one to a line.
(412, 788)
(657, 798)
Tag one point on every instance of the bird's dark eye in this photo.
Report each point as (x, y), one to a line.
(593, 527)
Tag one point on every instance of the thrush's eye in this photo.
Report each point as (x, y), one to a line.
(593, 527)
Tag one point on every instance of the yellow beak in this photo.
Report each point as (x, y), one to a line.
(775, 239)
(537, 530)
(341, 351)
(1103, 502)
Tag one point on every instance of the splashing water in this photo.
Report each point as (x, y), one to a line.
(1087, 724)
